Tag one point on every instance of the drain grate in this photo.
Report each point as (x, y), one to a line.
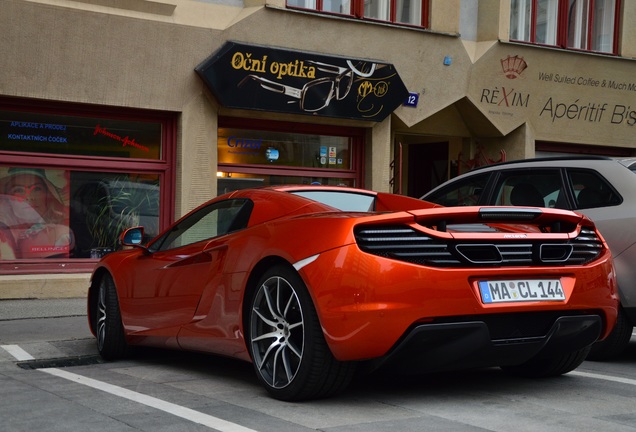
(61, 362)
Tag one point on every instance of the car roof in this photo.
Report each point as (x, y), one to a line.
(550, 161)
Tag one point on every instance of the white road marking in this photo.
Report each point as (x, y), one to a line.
(168, 407)
(17, 352)
(190, 414)
(604, 377)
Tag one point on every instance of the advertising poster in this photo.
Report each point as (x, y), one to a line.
(34, 213)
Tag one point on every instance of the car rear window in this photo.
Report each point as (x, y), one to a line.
(591, 190)
(345, 201)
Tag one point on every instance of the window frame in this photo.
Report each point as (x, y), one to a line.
(563, 26)
(357, 11)
(163, 167)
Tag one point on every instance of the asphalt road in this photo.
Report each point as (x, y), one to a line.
(51, 379)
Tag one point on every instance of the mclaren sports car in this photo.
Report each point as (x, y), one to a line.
(313, 284)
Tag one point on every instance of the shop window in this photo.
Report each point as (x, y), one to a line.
(409, 12)
(102, 205)
(60, 213)
(254, 154)
(54, 213)
(588, 25)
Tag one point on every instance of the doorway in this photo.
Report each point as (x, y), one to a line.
(427, 167)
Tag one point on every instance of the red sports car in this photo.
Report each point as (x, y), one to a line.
(310, 282)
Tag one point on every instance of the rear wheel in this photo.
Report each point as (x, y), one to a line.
(616, 342)
(549, 366)
(111, 343)
(289, 352)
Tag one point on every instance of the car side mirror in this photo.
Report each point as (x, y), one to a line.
(132, 236)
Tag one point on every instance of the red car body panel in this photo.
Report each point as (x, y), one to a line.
(383, 305)
(192, 297)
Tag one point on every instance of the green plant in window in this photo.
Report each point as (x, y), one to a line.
(121, 204)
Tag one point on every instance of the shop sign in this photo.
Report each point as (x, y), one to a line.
(271, 79)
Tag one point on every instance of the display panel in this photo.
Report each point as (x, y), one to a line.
(240, 146)
(88, 136)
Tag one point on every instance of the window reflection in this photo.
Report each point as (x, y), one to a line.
(520, 19)
(547, 16)
(103, 205)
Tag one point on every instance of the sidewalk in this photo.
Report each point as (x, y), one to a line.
(46, 328)
(42, 308)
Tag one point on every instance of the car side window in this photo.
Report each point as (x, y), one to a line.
(536, 188)
(591, 190)
(465, 192)
(208, 222)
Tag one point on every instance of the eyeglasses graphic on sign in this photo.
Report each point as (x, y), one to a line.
(318, 93)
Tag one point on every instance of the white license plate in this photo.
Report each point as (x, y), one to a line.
(499, 291)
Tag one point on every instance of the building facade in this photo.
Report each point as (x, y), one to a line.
(116, 113)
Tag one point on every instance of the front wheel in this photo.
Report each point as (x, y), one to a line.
(289, 352)
(111, 343)
(549, 366)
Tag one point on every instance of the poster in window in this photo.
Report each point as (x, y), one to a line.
(34, 213)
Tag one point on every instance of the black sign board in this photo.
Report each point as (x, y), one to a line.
(271, 79)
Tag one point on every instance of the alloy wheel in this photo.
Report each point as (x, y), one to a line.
(277, 335)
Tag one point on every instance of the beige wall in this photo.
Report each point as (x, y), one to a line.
(44, 286)
(378, 156)
(444, 16)
(196, 154)
(493, 21)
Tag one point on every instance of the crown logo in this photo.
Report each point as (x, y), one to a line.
(513, 66)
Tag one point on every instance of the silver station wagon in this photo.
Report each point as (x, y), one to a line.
(603, 189)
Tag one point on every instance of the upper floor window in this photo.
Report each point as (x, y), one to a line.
(408, 12)
(588, 25)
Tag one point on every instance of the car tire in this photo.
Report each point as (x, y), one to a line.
(109, 330)
(542, 367)
(616, 342)
(288, 349)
